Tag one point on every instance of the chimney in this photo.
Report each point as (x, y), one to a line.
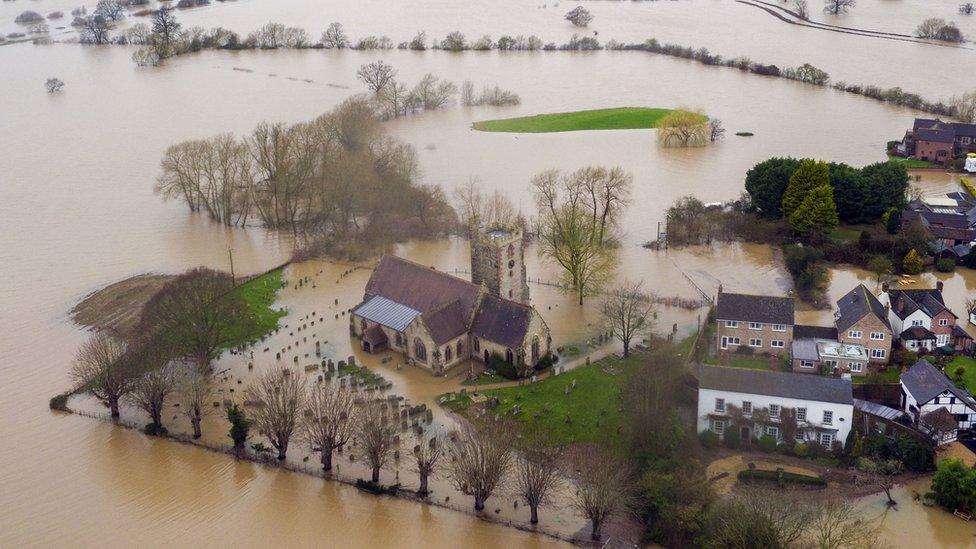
(939, 285)
(719, 288)
(885, 287)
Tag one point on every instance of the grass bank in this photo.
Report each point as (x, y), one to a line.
(259, 294)
(622, 118)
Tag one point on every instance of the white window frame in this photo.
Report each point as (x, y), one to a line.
(829, 437)
(777, 344)
(755, 325)
(877, 336)
(800, 435)
(801, 414)
(942, 339)
(855, 334)
(773, 431)
(720, 405)
(755, 342)
(747, 407)
(856, 367)
(774, 410)
(718, 426)
(806, 364)
(879, 353)
(943, 322)
(828, 417)
(779, 327)
(731, 323)
(917, 322)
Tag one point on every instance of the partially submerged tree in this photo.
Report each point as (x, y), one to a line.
(101, 369)
(240, 427)
(477, 208)
(603, 486)
(113, 10)
(537, 473)
(335, 37)
(376, 75)
(165, 32)
(480, 460)
(579, 16)
(716, 132)
(376, 433)
(427, 453)
(800, 7)
(279, 398)
(682, 128)
(936, 28)
(880, 266)
(838, 7)
(432, 93)
(965, 106)
(330, 420)
(94, 30)
(150, 393)
(53, 85)
(628, 312)
(193, 391)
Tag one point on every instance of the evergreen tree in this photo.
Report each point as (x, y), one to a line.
(912, 264)
(810, 175)
(816, 214)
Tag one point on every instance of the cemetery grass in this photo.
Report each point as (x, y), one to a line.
(622, 118)
(259, 294)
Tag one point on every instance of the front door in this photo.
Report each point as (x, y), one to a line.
(725, 342)
(487, 356)
(744, 433)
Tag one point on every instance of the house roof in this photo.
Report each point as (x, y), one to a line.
(916, 333)
(878, 410)
(906, 302)
(755, 308)
(502, 321)
(802, 331)
(391, 314)
(805, 349)
(962, 129)
(780, 384)
(855, 305)
(936, 136)
(959, 332)
(418, 287)
(926, 382)
(446, 322)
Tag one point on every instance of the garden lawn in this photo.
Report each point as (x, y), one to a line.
(622, 118)
(743, 361)
(969, 376)
(592, 407)
(889, 375)
(911, 163)
(259, 294)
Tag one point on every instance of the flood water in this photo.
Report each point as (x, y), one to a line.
(77, 212)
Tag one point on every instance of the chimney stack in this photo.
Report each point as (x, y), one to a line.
(939, 285)
(885, 287)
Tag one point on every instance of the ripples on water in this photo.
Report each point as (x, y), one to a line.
(77, 212)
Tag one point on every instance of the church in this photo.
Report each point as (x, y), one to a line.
(437, 320)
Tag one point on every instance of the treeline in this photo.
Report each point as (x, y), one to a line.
(336, 179)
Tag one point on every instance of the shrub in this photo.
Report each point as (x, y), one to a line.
(155, 430)
(912, 264)
(376, 488)
(60, 402)
(916, 456)
(780, 477)
(502, 368)
(946, 265)
(767, 443)
(801, 449)
(29, 17)
(709, 439)
(954, 485)
(731, 439)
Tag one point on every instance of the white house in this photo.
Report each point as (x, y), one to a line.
(924, 390)
(737, 398)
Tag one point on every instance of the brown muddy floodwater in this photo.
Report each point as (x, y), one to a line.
(77, 212)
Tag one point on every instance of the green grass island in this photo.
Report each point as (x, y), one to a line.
(620, 118)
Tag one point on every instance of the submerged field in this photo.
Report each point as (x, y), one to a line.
(622, 118)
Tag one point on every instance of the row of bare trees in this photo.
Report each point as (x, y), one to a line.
(339, 176)
(393, 99)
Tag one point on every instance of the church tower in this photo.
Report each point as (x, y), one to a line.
(498, 262)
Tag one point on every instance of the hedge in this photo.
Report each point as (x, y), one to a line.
(780, 477)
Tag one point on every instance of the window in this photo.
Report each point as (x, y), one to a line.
(942, 339)
(854, 334)
(856, 367)
(828, 417)
(826, 439)
(476, 344)
(511, 250)
(772, 431)
(917, 323)
(511, 263)
(801, 414)
(966, 140)
(774, 410)
(943, 322)
(755, 342)
(800, 435)
(878, 353)
(448, 354)
(718, 426)
(777, 343)
(806, 364)
(419, 350)
(877, 336)
(731, 324)
(746, 407)
(720, 405)
(779, 327)
(755, 326)
(831, 363)
(460, 349)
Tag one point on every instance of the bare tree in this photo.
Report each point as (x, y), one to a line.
(427, 452)
(537, 474)
(603, 486)
(579, 16)
(94, 30)
(113, 10)
(193, 391)
(966, 8)
(150, 393)
(280, 398)
(330, 420)
(335, 37)
(716, 132)
(190, 313)
(800, 6)
(757, 518)
(432, 93)
(628, 312)
(838, 7)
(376, 433)
(965, 106)
(477, 208)
(837, 524)
(376, 75)
(480, 460)
(53, 85)
(101, 369)
(165, 31)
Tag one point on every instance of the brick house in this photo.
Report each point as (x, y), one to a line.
(761, 323)
(936, 141)
(921, 320)
(861, 319)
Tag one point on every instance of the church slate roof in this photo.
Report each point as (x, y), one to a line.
(755, 308)
(447, 322)
(502, 321)
(778, 384)
(419, 287)
(855, 305)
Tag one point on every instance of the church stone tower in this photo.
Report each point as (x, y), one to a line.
(498, 262)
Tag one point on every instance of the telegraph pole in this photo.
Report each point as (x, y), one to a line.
(230, 253)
